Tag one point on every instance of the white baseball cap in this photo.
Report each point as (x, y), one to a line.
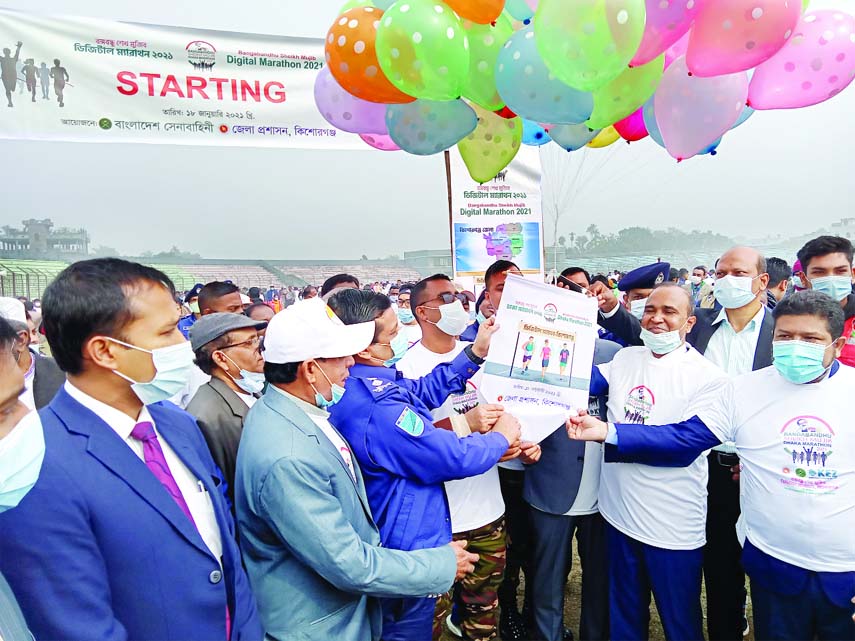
(309, 329)
(12, 309)
(245, 300)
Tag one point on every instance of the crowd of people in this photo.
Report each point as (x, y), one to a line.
(319, 463)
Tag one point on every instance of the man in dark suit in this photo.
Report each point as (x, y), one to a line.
(125, 534)
(227, 347)
(562, 492)
(737, 338)
(42, 376)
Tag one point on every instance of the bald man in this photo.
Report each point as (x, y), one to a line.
(737, 337)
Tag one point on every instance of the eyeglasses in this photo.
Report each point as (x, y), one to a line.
(254, 343)
(403, 302)
(447, 299)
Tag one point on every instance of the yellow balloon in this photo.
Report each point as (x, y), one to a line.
(606, 137)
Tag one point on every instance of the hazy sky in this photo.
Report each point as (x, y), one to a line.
(785, 172)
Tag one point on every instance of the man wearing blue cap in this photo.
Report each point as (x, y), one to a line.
(637, 285)
(192, 301)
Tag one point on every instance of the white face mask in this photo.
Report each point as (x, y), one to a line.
(21, 456)
(453, 319)
(636, 308)
(695, 280)
(663, 343)
(172, 367)
(734, 292)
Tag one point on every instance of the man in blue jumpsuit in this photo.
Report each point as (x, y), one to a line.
(405, 459)
(192, 300)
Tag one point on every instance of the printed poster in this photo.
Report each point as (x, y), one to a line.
(91, 80)
(501, 219)
(539, 364)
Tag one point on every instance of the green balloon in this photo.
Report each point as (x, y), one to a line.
(626, 93)
(588, 43)
(485, 42)
(805, 4)
(492, 146)
(422, 49)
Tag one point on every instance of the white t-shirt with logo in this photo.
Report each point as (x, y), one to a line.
(660, 506)
(796, 444)
(475, 501)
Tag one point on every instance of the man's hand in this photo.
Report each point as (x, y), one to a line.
(483, 417)
(530, 453)
(465, 560)
(606, 300)
(485, 334)
(512, 452)
(509, 427)
(584, 427)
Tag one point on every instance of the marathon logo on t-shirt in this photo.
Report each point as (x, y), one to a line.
(809, 444)
(638, 405)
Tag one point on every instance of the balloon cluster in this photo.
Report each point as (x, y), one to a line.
(490, 75)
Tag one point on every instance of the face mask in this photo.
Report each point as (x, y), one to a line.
(172, 367)
(695, 280)
(480, 318)
(797, 283)
(249, 382)
(21, 456)
(734, 292)
(799, 362)
(337, 392)
(838, 287)
(194, 307)
(405, 315)
(636, 308)
(453, 319)
(399, 347)
(472, 317)
(394, 299)
(663, 343)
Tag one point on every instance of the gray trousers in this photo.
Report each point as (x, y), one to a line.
(552, 561)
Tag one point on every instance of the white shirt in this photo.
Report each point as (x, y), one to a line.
(28, 398)
(797, 448)
(199, 503)
(412, 332)
(248, 399)
(660, 506)
(733, 352)
(475, 501)
(321, 418)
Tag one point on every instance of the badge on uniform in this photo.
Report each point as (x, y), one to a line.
(411, 423)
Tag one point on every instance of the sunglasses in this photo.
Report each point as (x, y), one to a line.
(447, 299)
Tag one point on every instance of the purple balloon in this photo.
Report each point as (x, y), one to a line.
(347, 112)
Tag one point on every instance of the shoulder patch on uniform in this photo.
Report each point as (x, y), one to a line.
(411, 422)
(378, 385)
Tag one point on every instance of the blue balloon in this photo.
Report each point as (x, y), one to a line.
(650, 122)
(533, 134)
(531, 91)
(572, 137)
(519, 10)
(747, 112)
(712, 149)
(426, 127)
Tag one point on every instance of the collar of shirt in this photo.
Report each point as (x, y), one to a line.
(31, 372)
(121, 423)
(753, 324)
(308, 408)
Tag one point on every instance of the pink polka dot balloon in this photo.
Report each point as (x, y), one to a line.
(736, 35)
(816, 64)
(667, 22)
(380, 141)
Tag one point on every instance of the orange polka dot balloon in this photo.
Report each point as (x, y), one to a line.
(352, 60)
(480, 11)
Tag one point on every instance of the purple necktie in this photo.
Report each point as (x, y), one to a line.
(156, 462)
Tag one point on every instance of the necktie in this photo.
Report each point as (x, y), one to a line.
(156, 462)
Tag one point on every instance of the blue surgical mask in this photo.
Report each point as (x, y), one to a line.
(636, 308)
(663, 343)
(472, 316)
(405, 315)
(399, 347)
(21, 456)
(337, 392)
(838, 287)
(480, 318)
(172, 367)
(734, 292)
(249, 382)
(799, 362)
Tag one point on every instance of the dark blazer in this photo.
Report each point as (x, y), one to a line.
(626, 326)
(99, 550)
(220, 414)
(552, 483)
(47, 379)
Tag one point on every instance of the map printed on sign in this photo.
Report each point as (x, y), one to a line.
(505, 241)
(539, 364)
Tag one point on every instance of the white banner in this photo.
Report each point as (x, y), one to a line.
(501, 219)
(88, 80)
(539, 364)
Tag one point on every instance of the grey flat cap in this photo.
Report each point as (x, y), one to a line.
(212, 326)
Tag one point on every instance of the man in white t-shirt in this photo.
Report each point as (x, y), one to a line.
(475, 503)
(792, 427)
(656, 516)
(406, 317)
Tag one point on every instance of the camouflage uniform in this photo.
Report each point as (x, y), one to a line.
(477, 592)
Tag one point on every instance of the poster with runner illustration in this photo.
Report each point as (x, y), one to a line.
(539, 364)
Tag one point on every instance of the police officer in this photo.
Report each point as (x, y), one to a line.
(636, 285)
(192, 300)
(405, 459)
